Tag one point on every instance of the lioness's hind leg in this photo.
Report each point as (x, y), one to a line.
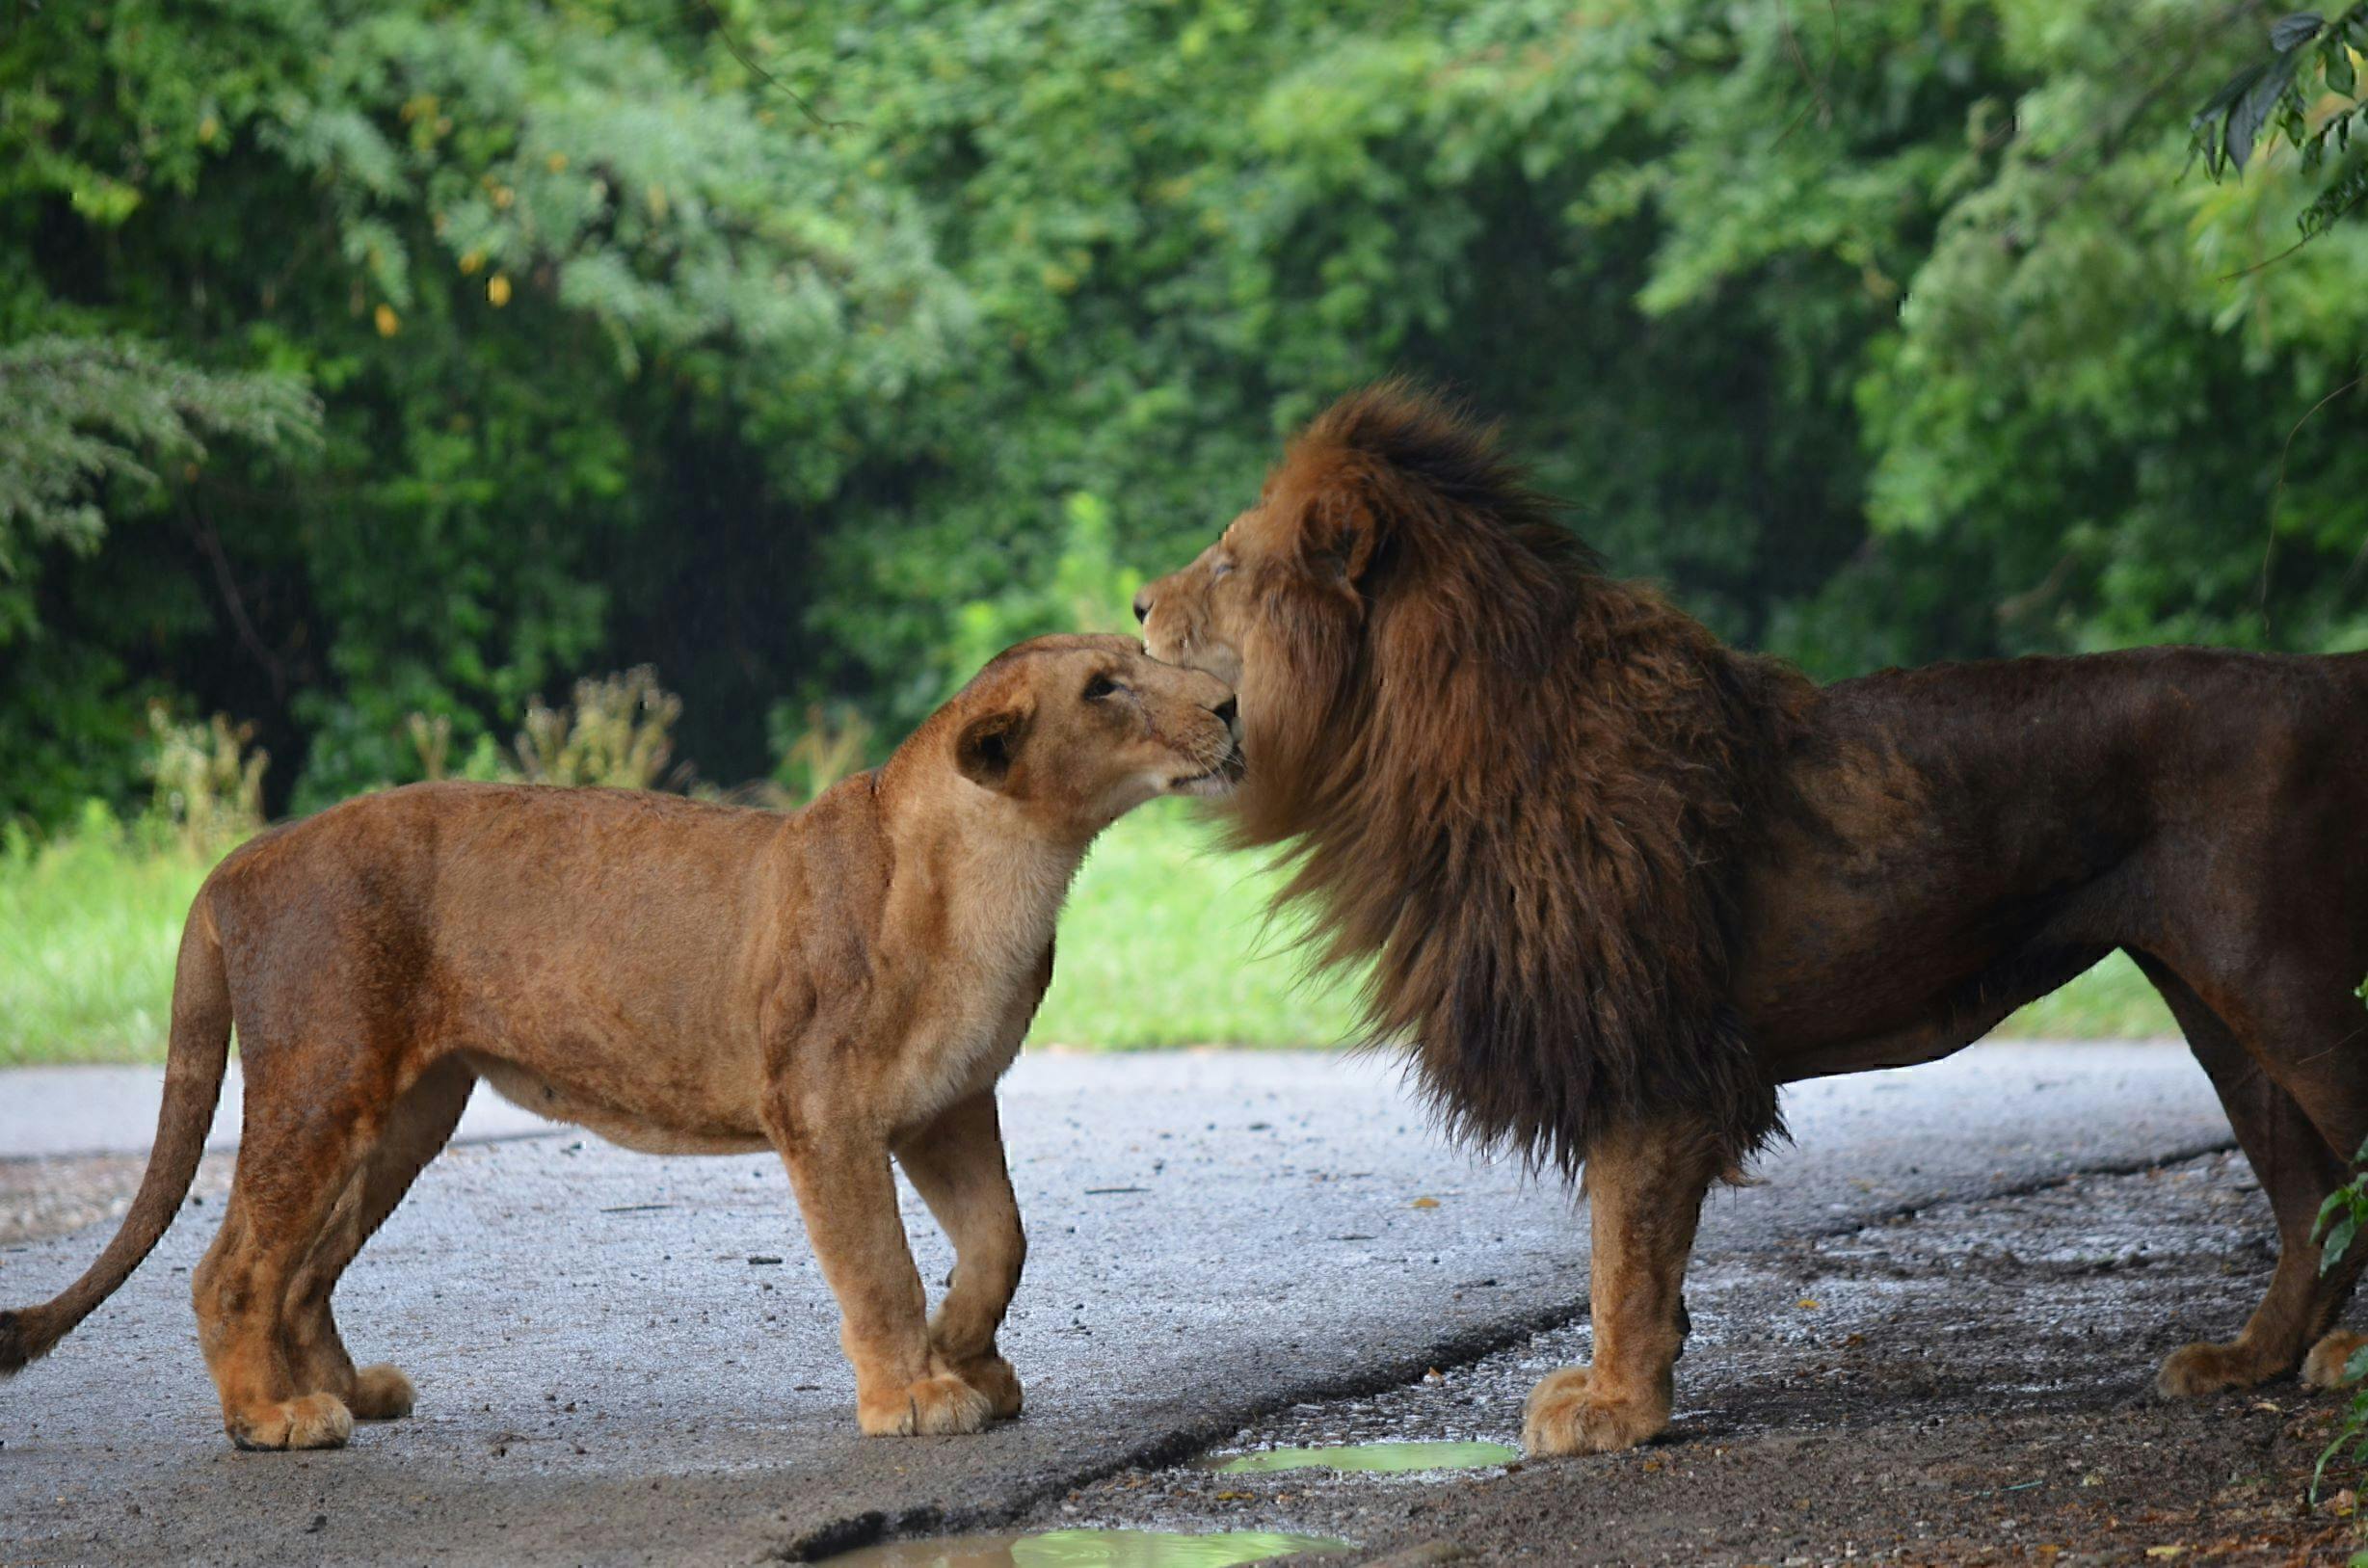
(2297, 1169)
(417, 1129)
(295, 1161)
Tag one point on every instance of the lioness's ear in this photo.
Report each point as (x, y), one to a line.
(987, 746)
(1339, 532)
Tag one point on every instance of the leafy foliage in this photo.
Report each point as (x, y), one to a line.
(85, 415)
(2306, 91)
(2341, 1219)
(1884, 332)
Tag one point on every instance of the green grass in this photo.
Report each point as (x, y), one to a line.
(90, 923)
(2111, 1002)
(1164, 944)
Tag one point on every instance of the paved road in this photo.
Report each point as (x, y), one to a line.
(606, 1375)
(58, 1112)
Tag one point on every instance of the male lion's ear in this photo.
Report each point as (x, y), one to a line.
(987, 746)
(1339, 532)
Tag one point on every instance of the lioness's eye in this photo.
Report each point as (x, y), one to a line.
(1099, 687)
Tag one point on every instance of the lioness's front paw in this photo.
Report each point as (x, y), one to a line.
(2205, 1367)
(317, 1421)
(2323, 1367)
(1566, 1416)
(933, 1407)
(990, 1375)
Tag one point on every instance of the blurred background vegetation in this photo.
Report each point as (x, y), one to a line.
(369, 375)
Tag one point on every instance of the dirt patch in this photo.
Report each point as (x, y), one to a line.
(51, 1196)
(1970, 1384)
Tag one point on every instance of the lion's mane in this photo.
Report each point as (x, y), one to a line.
(1520, 787)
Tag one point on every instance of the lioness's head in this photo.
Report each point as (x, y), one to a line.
(1080, 731)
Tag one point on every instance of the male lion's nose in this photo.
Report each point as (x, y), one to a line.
(1142, 604)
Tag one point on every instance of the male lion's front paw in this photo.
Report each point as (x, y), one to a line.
(992, 1377)
(2323, 1367)
(933, 1407)
(317, 1421)
(1566, 1416)
(2205, 1367)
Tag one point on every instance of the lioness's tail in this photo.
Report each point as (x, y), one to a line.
(192, 1082)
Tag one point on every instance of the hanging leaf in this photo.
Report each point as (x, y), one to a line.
(2252, 110)
(2294, 31)
(2213, 116)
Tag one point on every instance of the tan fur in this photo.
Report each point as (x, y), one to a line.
(843, 985)
(2323, 1367)
(1635, 1292)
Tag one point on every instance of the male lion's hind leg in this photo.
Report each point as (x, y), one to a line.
(2327, 1364)
(2297, 1167)
(416, 1131)
(1644, 1190)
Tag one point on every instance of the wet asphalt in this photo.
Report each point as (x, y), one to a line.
(623, 1358)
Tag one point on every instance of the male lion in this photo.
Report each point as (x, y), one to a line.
(1618, 881)
(842, 985)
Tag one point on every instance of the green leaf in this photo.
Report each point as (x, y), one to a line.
(2331, 1253)
(2250, 111)
(2299, 28)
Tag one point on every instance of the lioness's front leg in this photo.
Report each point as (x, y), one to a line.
(956, 1164)
(849, 1198)
(1644, 1190)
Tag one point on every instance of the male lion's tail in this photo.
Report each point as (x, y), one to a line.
(192, 1082)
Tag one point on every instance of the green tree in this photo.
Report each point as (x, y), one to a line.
(1884, 332)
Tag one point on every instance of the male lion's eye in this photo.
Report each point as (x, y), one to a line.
(1219, 568)
(1099, 687)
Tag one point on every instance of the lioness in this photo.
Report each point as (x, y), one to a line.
(1618, 881)
(842, 985)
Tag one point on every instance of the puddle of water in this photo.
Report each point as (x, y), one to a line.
(1382, 1456)
(1089, 1549)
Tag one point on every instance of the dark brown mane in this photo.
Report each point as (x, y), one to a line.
(1519, 788)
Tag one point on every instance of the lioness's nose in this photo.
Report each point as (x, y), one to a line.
(1142, 604)
(1225, 712)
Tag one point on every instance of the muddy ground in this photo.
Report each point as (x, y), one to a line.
(1969, 1385)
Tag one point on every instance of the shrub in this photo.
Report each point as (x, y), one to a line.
(208, 780)
(617, 733)
(830, 742)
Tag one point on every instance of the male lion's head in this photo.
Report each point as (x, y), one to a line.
(1391, 540)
